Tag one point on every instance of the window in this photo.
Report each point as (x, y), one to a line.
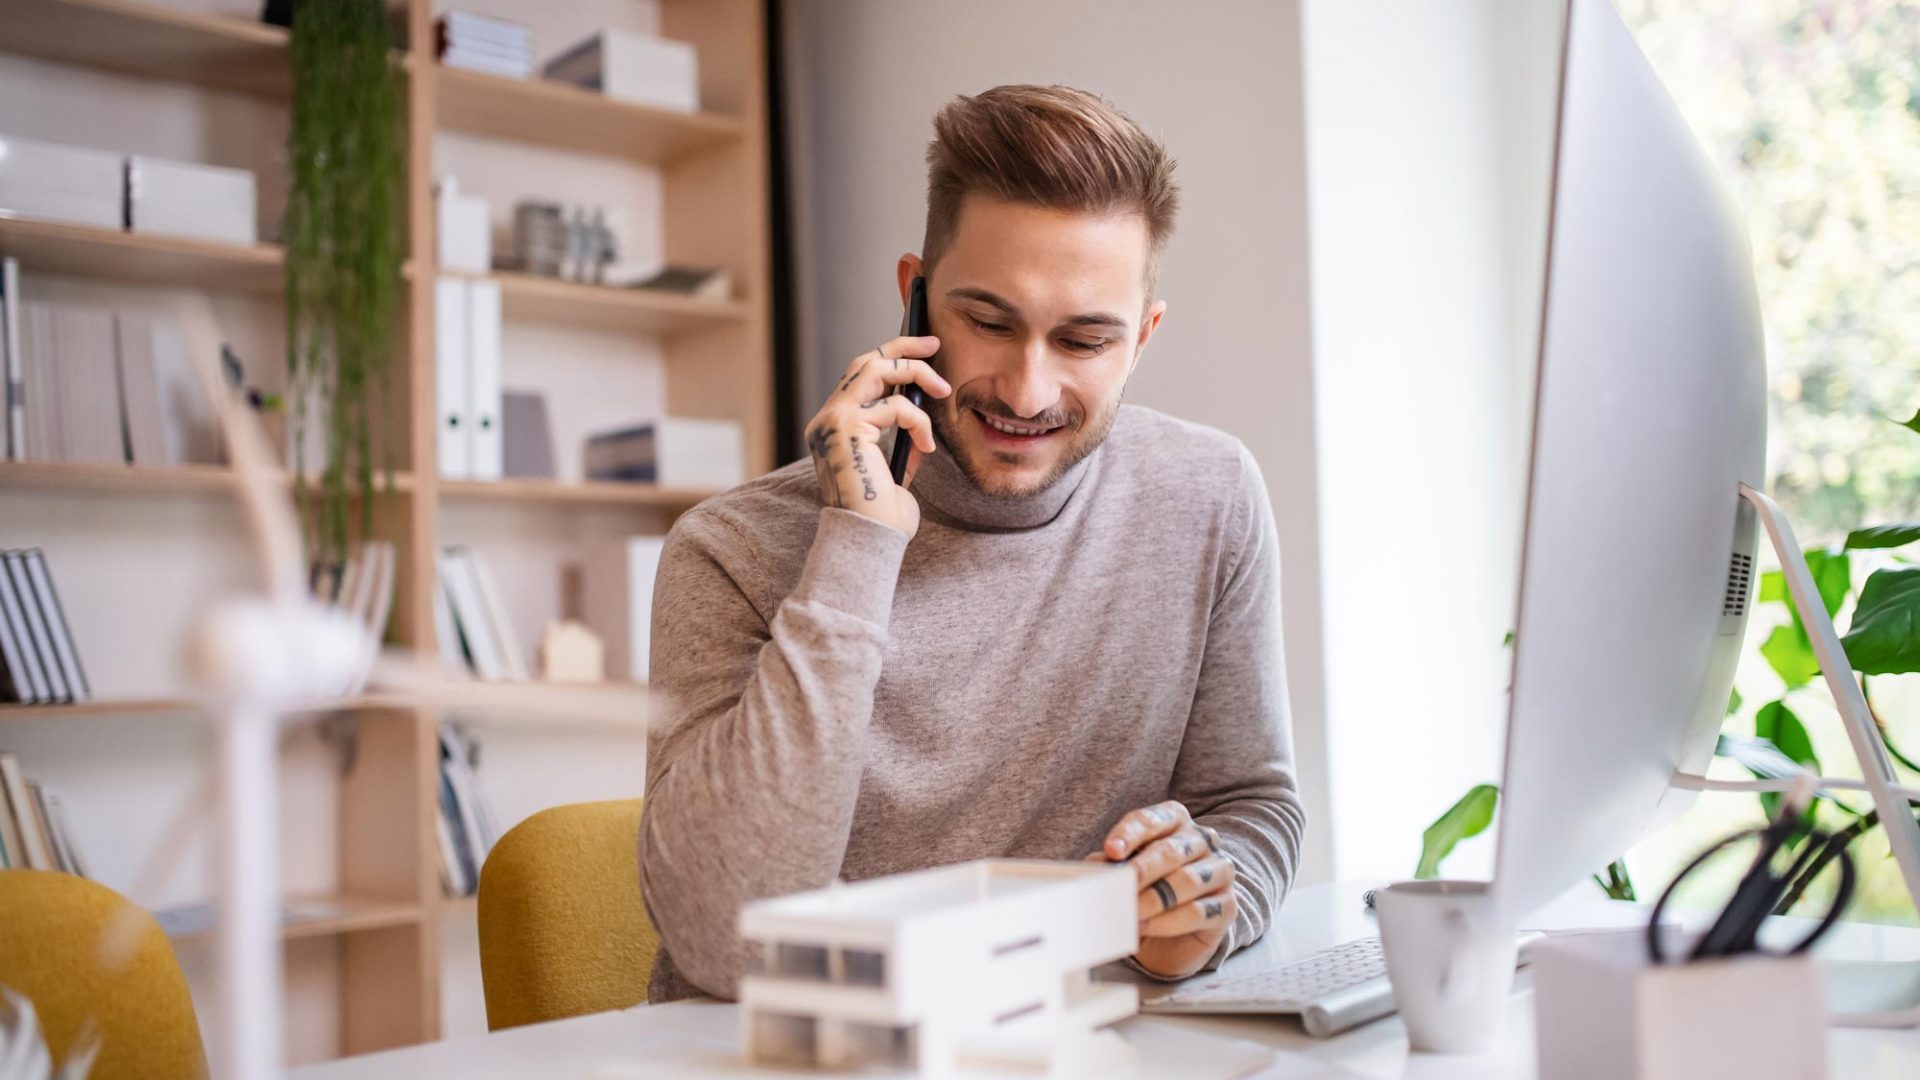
(881, 1046)
(800, 962)
(1812, 115)
(780, 1039)
(863, 967)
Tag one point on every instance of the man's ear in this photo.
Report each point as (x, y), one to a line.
(908, 268)
(1147, 326)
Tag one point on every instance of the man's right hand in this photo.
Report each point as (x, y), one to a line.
(844, 436)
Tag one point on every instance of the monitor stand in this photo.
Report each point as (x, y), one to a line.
(1882, 994)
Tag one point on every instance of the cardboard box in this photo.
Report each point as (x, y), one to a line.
(69, 184)
(201, 202)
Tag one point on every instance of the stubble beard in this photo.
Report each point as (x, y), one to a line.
(1086, 438)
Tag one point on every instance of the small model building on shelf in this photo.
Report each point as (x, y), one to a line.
(960, 970)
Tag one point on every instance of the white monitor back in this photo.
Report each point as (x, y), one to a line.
(1651, 410)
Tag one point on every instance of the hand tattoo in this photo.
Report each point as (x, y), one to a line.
(1205, 874)
(820, 445)
(1210, 909)
(860, 466)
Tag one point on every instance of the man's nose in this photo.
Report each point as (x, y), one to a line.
(1030, 388)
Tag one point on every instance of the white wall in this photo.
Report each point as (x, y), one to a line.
(1429, 138)
(1220, 84)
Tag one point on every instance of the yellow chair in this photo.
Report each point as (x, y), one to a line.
(79, 951)
(563, 931)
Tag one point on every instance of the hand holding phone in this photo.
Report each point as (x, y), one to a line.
(843, 438)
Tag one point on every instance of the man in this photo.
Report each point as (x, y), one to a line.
(1061, 639)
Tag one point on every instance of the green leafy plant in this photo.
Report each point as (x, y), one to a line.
(343, 250)
(1883, 638)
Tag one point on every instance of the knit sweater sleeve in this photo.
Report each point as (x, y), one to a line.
(759, 730)
(1235, 769)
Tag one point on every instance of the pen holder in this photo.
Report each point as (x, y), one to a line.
(1603, 1010)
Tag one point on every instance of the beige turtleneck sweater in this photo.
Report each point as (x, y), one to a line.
(836, 702)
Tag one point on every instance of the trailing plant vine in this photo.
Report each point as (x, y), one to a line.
(343, 251)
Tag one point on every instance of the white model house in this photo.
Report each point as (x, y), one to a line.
(979, 967)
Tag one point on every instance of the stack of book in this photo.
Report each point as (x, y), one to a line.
(479, 43)
(33, 825)
(98, 385)
(470, 620)
(362, 586)
(466, 827)
(39, 664)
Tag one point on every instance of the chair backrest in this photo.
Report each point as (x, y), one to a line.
(563, 931)
(80, 951)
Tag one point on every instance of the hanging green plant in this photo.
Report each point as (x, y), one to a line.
(344, 245)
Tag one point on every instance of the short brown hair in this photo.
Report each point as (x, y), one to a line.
(1048, 146)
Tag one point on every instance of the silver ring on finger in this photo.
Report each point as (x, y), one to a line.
(1164, 890)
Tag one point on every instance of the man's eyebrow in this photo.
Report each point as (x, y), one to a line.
(1098, 318)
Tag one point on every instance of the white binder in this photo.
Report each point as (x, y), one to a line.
(483, 378)
(450, 377)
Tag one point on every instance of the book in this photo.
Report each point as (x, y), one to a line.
(13, 391)
(470, 615)
(464, 870)
(86, 388)
(65, 652)
(453, 656)
(19, 802)
(38, 633)
(37, 797)
(384, 579)
(44, 440)
(23, 663)
(13, 847)
(140, 389)
(513, 660)
(63, 836)
(487, 64)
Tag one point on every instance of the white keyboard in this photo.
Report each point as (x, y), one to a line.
(1332, 990)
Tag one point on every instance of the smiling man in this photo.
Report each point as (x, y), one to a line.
(1060, 639)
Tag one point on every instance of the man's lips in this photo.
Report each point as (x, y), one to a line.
(1011, 434)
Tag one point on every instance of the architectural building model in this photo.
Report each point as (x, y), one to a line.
(956, 970)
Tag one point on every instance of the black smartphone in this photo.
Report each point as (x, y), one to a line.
(915, 324)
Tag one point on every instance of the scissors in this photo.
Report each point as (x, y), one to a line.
(1737, 929)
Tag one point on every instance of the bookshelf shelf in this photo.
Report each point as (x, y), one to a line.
(50, 248)
(538, 299)
(322, 916)
(142, 706)
(547, 113)
(78, 476)
(586, 492)
(147, 39)
(74, 476)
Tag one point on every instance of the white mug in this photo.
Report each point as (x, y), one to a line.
(1450, 957)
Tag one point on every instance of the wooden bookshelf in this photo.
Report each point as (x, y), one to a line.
(542, 112)
(142, 258)
(153, 41)
(322, 916)
(590, 492)
(717, 359)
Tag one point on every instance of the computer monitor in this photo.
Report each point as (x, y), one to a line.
(1650, 413)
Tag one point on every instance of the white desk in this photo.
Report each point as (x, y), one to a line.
(1313, 918)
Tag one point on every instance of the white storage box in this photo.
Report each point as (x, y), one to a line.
(616, 601)
(202, 202)
(62, 183)
(700, 453)
(1603, 1011)
(638, 68)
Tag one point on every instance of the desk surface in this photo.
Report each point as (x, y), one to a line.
(1313, 918)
